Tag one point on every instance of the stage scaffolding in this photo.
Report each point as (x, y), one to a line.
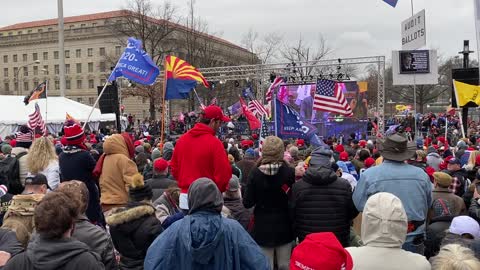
(301, 72)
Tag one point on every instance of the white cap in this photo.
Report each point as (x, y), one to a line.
(465, 224)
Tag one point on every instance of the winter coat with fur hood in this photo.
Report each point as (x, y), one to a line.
(384, 230)
(133, 228)
(117, 172)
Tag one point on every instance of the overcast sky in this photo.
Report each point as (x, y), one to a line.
(352, 27)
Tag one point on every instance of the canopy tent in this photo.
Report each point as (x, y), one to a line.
(13, 113)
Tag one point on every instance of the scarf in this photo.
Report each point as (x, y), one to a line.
(99, 166)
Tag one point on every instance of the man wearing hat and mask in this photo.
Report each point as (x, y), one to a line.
(410, 184)
(198, 153)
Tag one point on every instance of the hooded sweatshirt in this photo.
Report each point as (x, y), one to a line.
(384, 230)
(434, 160)
(118, 170)
(198, 154)
(204, 239)
(43, 254)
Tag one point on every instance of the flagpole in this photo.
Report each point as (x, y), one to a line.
(46, 104)
(95, 105)
(198, 98)
(459, 112)
(476, 17)
(275, 111)
(164, 96)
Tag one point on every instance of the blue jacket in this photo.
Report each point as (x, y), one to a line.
(409, 183)
(205, 240)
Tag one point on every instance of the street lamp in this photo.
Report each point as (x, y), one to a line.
(15, 75)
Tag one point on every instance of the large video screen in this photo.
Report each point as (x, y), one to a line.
(301, 97)
(414, 62)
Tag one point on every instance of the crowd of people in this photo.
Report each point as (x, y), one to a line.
(129, 201)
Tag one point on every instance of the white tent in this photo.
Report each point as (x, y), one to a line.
(13, 113)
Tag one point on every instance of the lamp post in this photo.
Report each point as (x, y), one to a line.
(15, 75)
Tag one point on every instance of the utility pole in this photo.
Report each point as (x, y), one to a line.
(61, 47)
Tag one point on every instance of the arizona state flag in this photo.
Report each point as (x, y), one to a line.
(466, 93)
(181, 78)
(39, 92)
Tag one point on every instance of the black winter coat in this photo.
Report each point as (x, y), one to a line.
(159, 184)
(273, 226)
(322, 202)
(238, 211)
(133, 229)
(436, 231)
(78, 164)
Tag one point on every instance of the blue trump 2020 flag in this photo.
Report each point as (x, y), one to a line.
(392, 3)
(135, 64)
(291, 125)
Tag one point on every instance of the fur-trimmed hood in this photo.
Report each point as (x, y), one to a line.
(123, 215)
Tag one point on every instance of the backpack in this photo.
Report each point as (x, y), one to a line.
(10, 173)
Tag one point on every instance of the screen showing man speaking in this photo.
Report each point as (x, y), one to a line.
(414, 62)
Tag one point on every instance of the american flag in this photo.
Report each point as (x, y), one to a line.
(263, 134)
(273, 86)
(35, 120)
(257, 108)
(329, 97)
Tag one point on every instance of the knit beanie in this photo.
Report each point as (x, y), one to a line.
(156, 154)
(138, 190)
(73, 133)
(139, 149)
(272, 150)
(6, 149)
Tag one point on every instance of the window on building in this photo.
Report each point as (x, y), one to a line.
(94, 24)
(82, 25)
(79, 84)
(67, 54)
(5, 59)
(15, 58)
(20, 32)
(45, 69)
(79, 67)
(26, 87)
(35, 70)
(35, 56)
(67, 68)
(90, 67)
(90, 51)
(24, 57)
(102, 67)
(5, 72)
(118, 50)
(10, 33)
(91, 100)
(35, 84)
(55, 55)
(57, 85)
(29, 31)
(78, 53)
(50, 29)
(15, 86)
(15, 72)
(91, 84)
(45, 55)
(68, 84)
(102, 51)
(144, 100)
(80, 100)
(7, 87)
(57, 69)
(102, 81)
(25, 71)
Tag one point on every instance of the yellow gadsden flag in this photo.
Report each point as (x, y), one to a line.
(466, 93)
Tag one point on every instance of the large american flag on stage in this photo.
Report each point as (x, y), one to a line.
(35, 120)
(275, 84)
(264, 133)
(329, 97)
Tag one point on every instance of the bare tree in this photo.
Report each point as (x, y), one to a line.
(302, 51)
(155, 26)
(264, 49)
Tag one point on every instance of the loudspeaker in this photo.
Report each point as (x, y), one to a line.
(108, 103)
(465, 75)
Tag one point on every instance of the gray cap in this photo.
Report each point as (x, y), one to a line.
(204, 195)
(234, 183)
(156, 154)
(321, 156)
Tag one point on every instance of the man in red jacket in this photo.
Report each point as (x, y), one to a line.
(199, 153)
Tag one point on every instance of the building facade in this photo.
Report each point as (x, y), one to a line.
(29, 55)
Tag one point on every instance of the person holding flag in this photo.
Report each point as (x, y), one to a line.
(198, 153)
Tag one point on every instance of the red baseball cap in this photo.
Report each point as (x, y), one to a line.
(300, 142)
(362, 143)
(343, 156)
(339, 148)
(333, 255)
(160, 165)
(215, 112)
(369, 162)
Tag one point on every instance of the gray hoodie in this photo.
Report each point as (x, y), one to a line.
(384, 230)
